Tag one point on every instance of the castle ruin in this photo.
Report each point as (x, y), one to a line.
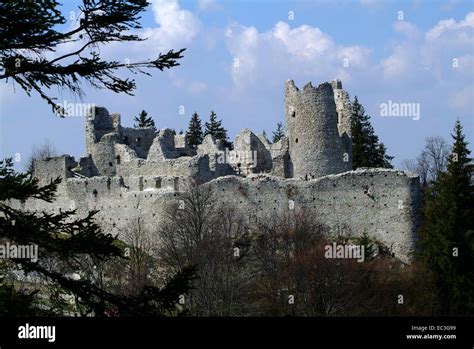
(138, 172)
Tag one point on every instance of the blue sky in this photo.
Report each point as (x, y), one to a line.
(404, 57)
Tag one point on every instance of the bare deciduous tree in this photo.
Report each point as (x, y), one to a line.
(197, 232)
(276, 267)
(434, 157)
(410, 165)
(140, 249)
(431, 162)
(295, 277)
(40, 152)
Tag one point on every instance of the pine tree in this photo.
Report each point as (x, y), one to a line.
(447, 232)
(366, 149)
(194, 133)
(143, 120)
(215, 129)
(279, 133)
(66, 244)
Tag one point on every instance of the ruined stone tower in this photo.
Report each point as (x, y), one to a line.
(137, 173)
(316, 147)
(344, 112)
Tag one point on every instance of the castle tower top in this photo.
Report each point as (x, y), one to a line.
(316, 148)
(336, 84)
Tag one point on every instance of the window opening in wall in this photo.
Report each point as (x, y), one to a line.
(118, 159)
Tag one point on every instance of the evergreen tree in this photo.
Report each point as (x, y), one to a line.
(279, 133)
(194, 133)
(215, 129)
(366, 149)
(447, 231)
(143, 120)
(65, 245)
(29, 31)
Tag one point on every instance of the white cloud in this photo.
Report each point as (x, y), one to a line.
(407, 28)
(405, 56)
(283, 52)
(450, 25)
(176, 25)
(304, 42)
(424, 56)
(398, 63)
(174, 28)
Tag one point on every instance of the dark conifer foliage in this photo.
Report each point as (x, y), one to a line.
(29, 30)
(447, 232)
(194, 133)
(367, 151)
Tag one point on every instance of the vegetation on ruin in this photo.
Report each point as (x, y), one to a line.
(194, 133)
(367, 150)
(143, 120)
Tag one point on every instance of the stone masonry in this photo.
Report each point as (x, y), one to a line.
(131, 173)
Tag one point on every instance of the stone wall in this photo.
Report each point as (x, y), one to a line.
(132, 174)
(250, 154)
(317, 142)
(382, 203)
(48, 169)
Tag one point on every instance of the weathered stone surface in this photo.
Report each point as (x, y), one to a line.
(316, 148)
(344, 112)
(250, 154)
(135, 173)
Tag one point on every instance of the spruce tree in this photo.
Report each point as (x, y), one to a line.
(194, 133)
(447, 231)
(65, 245)
(366, 149)
(143, 120)
(29, 32)
(215, 129)
(279, 133)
